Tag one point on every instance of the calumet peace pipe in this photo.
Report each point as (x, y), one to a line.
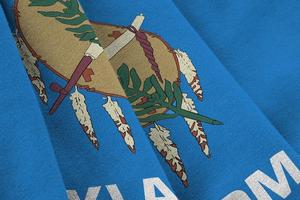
(92, 53)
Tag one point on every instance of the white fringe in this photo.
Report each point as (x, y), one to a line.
(83, 117)
(32, 70)
(115, 112)
(190, 73)
(195, 126)
(160, 136)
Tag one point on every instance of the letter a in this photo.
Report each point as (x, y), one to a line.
(149, 189)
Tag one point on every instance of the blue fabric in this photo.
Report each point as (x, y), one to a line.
(258, 42)
(28, 168)
(243, 144)
(80, 164)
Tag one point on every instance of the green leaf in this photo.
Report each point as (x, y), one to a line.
(154, 97)
(74, 21)
(144, 105)
(56, 14)
(157, 87)
(95, 40)
(169, 91)
(69, 10)
(136, 81)
(74, 4)
(68, 4)
(147, 84)
(134, 98)
(177, 94)
(81, 29)
(147, 110)
(129, 91)
(123, 73)
(157, 117)
(71, 15)
(87, 36)
(42, 2)
(153, 100)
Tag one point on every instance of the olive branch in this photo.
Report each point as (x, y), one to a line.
(169, 97)
(71, 15)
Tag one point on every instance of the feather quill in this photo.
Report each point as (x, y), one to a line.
(160, 137)
(83, 116)
(190, 73)
(30, 63)
(195, 126)
(115, 112)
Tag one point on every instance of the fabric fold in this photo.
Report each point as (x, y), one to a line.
(28, 167)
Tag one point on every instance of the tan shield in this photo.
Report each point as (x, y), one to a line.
(60, 51)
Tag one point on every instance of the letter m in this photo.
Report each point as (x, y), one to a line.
(281, 187)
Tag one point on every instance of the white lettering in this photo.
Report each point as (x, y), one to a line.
(91, 194)
(237, 195)
(149, 189)
(256, 181)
